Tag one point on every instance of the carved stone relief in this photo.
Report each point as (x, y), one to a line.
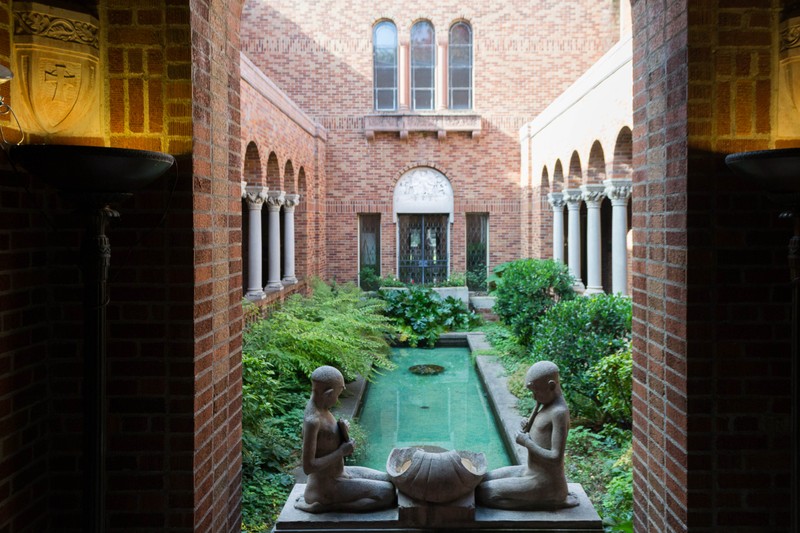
(423, 190)
(58, 69)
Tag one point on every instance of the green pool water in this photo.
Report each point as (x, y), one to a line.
(449, 409)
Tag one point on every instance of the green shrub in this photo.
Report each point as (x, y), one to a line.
(335, 326)
(389, 280)
(576, 335)
(602, 464)
(613, 376)
(527, 289)
(456, 279)
(369, 279)
(421, 315)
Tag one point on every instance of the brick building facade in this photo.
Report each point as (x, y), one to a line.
(709, 282)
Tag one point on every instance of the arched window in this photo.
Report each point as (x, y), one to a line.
(384, 54)
(423, 65)
(459, 76)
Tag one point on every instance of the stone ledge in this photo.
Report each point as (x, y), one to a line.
(580, 519)
(408, 123)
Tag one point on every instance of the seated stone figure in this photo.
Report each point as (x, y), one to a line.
(541, 483)
(331, 486)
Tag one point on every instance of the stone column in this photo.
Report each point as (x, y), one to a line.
(275, 200)
(593, 195)
(556, 201)
(618, 191)
(289, 204)
(255, 196)
(573, 199)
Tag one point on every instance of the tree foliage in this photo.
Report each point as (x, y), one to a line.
(526, 289)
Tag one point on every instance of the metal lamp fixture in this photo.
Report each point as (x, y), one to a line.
(5, 109)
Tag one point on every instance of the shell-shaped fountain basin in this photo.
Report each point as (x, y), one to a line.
(91, 169)
(435, 475)
(777, 170)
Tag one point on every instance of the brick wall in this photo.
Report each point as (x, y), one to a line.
(710, 284)
(24, 333)
(321, 55)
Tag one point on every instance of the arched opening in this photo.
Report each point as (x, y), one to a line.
(596, 169)
(273, 173)
(545, 230)
(423, 210)
(621, 166)
(575, 176)
(252, 165)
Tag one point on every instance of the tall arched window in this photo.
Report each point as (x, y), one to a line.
(423, 65)
(384, 43)
(459, 80)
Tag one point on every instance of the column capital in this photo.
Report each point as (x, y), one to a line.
(593, 194)
(618, 190)
(573, 197)
(275, 200)
(556, 201)
(255, 196)
(290, 201)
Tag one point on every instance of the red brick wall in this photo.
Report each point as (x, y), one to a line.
(24, 335)
(174, 319)
(273, 132)
(321, 56)
(710, 283)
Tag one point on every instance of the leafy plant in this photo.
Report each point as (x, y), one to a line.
(390, 280)
(603, 466)
(421, 315)
(456, 279)
(527, 289)
(335, 326)
(613, 376)
(369, 279)
(576, 335)
(476, 278)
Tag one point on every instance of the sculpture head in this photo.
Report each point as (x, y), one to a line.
(327, 383)
(542, 379)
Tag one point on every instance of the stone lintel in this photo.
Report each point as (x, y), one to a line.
(580, 519)
(403, 124)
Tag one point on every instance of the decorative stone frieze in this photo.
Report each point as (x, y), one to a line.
(404, 124)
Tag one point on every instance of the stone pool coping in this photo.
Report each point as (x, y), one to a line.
(495, 383)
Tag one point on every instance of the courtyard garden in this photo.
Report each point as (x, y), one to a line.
(340, 325)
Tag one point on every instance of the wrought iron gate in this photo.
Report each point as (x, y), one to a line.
(422, 248)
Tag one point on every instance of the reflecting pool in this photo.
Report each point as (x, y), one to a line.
(448, 409)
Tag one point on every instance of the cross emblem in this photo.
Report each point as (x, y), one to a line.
(58, 78)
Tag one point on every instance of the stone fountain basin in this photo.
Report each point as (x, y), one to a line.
(778, 170)
(96, 169)
(435, 475)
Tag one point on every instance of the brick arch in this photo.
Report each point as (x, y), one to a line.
(622, 164)
(596, 168)
(575, 175)
(253, 173)
(289, 183)
(273, 172)
(302, 185)
(558, 177)
(544, 182)
(431, 164)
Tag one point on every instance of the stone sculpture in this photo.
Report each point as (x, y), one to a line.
(541, 483)
(435, 475)
(331, 486)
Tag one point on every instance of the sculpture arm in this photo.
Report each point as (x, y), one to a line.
(313, 464)
(558, 441)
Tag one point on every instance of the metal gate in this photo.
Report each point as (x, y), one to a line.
(423, 248)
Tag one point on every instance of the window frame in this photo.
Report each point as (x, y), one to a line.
(451, 67)
(376, 88)
(414, 67)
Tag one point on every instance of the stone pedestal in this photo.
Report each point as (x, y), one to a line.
(421, 514)
(405, 518)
